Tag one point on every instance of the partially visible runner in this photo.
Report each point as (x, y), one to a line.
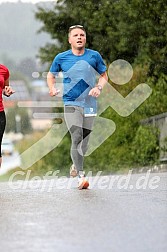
(80, 67)
(6, 90)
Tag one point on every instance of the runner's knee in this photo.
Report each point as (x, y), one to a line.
(76, 135)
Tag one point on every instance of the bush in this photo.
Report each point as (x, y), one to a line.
(145, 146)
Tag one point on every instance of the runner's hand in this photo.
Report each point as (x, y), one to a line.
(54, 91)
(8, 91)
(95, 92)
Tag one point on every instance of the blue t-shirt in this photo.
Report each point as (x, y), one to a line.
(79, 75)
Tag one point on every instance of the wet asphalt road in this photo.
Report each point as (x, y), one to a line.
(109, 217)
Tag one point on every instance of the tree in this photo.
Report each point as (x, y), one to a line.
(132, 30)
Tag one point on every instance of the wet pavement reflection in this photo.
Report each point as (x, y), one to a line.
(68, 219)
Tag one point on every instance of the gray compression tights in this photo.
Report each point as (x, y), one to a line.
(80, 128)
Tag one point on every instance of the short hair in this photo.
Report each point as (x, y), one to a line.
(74, 27)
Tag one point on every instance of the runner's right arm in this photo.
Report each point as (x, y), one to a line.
(51, 81)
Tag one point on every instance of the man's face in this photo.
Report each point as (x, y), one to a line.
(77, 38)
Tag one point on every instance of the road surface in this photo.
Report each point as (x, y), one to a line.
(117, 214)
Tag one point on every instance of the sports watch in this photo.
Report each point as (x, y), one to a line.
(99, 87)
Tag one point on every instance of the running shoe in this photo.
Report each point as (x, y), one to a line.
(82, 183)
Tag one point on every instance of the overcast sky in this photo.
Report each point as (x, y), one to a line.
(25, 1)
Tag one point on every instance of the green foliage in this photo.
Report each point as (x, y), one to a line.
(131, 30)
(156, 103)
(57, 159)
(145, 146)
